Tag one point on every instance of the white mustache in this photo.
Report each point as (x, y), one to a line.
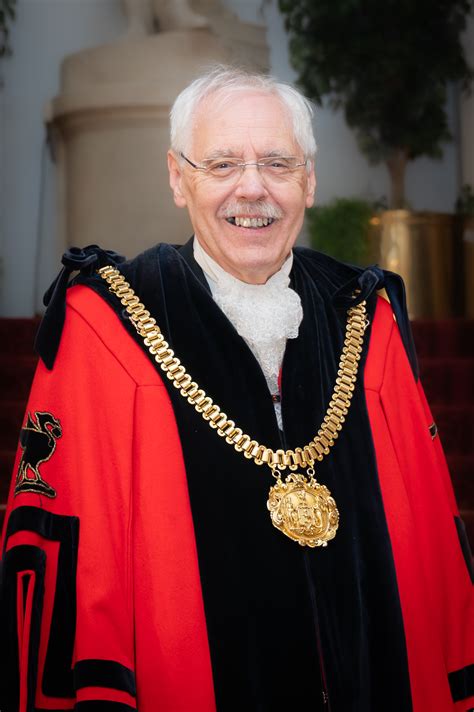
(255, 210)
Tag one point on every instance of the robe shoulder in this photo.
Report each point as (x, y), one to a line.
(339, 272)
(92, 307)
(337, 285)
(331, 274)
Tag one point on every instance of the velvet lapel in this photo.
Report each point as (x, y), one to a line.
(353, 580)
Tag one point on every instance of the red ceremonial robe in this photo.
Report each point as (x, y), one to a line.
(103, 576)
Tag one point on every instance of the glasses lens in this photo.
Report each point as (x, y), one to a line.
(223, 168)
(279, 167)
(273, 167)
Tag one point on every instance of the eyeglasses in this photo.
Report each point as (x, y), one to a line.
(225, 167)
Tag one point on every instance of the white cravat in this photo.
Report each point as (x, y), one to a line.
(264, 315)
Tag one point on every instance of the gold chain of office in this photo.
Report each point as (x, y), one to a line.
(300, 507)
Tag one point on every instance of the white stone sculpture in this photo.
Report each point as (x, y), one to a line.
(146, 16)
(110, 119)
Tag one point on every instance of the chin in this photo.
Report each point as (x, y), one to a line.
(256, 271)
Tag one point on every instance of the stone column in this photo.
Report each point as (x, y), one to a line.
(110, 125)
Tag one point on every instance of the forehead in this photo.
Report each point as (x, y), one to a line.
(242, 122)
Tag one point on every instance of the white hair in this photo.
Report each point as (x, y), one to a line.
(224, 81)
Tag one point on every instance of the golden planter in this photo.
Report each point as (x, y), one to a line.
(425, 248)
(468, 255)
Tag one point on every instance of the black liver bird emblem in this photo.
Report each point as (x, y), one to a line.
(38, 442)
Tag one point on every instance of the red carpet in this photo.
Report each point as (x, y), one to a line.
(17, 364)
(445, 349)
(446, 355)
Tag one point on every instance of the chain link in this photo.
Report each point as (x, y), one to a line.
(337, 410)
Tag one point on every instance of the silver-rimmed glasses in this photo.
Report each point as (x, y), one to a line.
(228, 167)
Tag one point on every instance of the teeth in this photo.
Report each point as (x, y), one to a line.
(250, 222)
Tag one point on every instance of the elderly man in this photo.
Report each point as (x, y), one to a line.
(229, 492)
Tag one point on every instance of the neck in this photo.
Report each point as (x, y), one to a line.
(216, 271)
(254, 276)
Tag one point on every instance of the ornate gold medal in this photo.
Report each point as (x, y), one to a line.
(303, 510)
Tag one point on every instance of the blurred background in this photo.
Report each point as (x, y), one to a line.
(86, 86)
(85, 91)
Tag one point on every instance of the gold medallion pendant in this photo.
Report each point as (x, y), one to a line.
(303, 510)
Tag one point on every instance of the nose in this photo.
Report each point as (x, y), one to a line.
(250, 185)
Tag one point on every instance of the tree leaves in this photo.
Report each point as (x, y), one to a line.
(341, 229)
(7, 15)
(387, 64)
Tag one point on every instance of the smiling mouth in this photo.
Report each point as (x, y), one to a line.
(250, 222)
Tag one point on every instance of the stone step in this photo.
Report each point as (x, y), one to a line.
(17, 336)
(468, 519)
(16, 376)
(456, 427)
(448, 380)
(445, 338)
(7, 460)
(11, 420)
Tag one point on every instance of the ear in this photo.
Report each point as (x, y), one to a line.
(176, 178)
(311, 187)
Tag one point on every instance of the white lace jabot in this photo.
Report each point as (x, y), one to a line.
(264, 315)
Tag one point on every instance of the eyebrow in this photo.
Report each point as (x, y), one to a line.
(218, 153)
(229, 153)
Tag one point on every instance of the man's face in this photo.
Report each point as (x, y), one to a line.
(247, 126)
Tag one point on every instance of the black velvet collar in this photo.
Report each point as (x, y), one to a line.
(349, 284)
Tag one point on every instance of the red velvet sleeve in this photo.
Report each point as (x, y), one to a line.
(433, 571)
(67, 571)
(100, 595)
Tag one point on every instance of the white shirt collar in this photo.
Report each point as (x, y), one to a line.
(264, 315)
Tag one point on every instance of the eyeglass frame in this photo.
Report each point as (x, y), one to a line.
(244, 165)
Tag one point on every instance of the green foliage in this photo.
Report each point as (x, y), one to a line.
(7, 15)
(341, 229)
(465, 201)
(386, 63)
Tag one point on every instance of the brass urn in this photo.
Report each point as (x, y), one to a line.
(425, 249)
